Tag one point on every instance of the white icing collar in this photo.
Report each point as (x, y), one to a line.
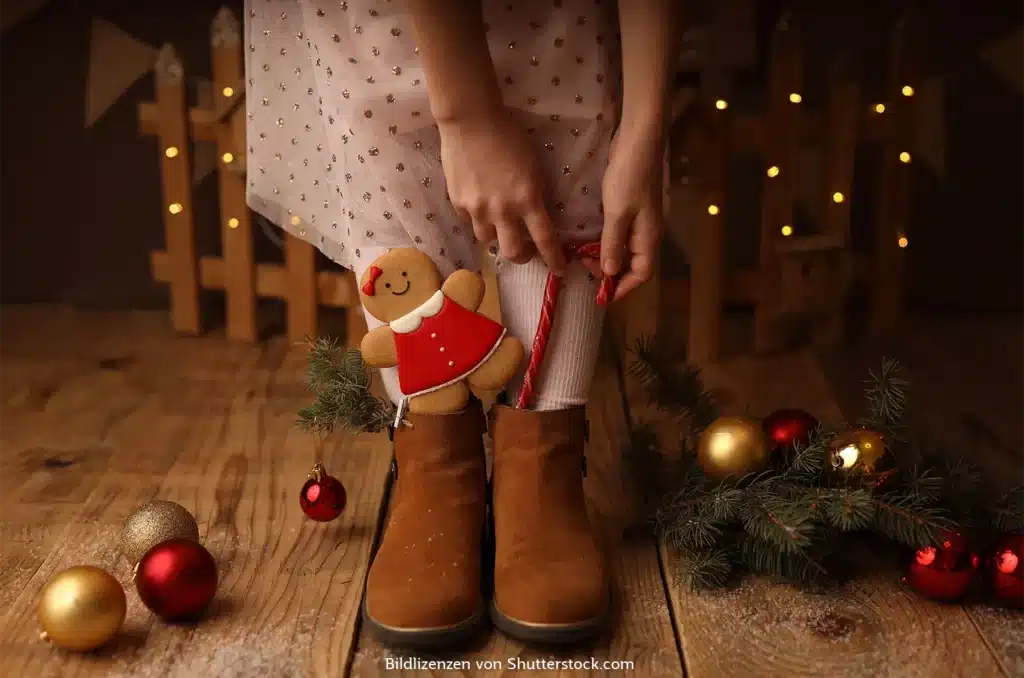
(411, 320)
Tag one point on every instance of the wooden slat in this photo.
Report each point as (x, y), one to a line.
(706, 255)
(334, 289)
(236, 226)
(894, 190)
(781, 150)
(871, 627)
(643, 629)
(202, 122)
(840, 146)
(175, 175)
(300, 281)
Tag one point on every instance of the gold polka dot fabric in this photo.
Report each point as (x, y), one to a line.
(344, 153)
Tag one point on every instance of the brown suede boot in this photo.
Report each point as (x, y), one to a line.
(424, 586)
(550, 580)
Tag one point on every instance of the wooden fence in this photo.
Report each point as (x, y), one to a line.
(236, 272)
(805, 276)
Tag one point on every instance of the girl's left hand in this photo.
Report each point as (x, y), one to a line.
(632, 197)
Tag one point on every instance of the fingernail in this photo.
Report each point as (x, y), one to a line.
(610, 266)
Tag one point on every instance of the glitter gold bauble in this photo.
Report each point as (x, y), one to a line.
(859, 449)
(81, 608)
(155, 523)
(732, 446)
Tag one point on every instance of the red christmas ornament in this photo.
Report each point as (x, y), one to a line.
(943, 572)
(323, 496)
(786, 428)
(176, 579)
(1006, 570)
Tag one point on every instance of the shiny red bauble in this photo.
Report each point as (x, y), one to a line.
(945, 571)
(323, 496)
(1006, 570)
(176, 579)
(787, 428)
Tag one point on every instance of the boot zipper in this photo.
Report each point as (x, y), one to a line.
(403, 406)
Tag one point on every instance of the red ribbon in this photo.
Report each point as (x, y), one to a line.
(547, 313)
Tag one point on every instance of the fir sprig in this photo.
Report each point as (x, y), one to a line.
(341, 382)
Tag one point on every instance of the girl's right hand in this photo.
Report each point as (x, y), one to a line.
(495, 180)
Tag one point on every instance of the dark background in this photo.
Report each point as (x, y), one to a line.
(81, 208)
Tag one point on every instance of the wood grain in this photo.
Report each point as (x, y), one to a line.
(643, 631)
(208, 424)
(871, 627)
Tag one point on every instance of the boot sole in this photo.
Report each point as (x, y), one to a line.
(425, 638)
(553, 634)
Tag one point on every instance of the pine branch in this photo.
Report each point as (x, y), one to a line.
(799, 566)
(702, 570)
(1008, 511)
(341, 382)
(886, 395)
(673, 388)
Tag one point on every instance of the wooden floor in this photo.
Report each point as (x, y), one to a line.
(103, 412)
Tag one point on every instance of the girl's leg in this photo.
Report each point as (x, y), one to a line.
(568, 368)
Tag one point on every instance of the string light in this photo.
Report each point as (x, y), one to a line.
(879, 108)
(712, 210)
(232, 223)
(295, 221)
(904, 157)
(721, 104)
(171, 152)
(228, 91)
(787, 230)
(903, 242)
(174, 208)
(227, 158)
(838, 197)
(773, 171)
(908, 91)
(795, 98)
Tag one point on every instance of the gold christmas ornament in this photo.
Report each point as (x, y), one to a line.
(861, 449)
(732, 446)
(154, 523)
(81, 608)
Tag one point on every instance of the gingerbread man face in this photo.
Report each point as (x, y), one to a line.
(397, 283)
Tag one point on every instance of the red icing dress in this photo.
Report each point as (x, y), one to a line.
(440, 343)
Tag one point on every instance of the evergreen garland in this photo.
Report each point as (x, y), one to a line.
(791, 518)
(341, 380)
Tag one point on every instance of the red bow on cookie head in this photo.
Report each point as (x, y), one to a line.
(369, 288)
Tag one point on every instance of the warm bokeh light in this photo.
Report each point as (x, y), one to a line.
(295, 221)
(879, 108)
(232, 223)
(773, 171)
(787, 230)
(903, 242)
(904, 157)
(171, 152)
(227, 158)
(721, 104)
(838, 197)
(908, 91)
(712, 210)
(228, 91)
(795, 98)
(174, 207)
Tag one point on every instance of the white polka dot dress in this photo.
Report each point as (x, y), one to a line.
(343, 151)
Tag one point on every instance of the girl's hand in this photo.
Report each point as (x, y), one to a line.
(495, 179)
(632, 195)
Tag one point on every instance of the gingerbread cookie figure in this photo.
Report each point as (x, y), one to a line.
(434, 335)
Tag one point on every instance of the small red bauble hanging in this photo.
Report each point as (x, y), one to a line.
(943, 572)
(176, 579)
(787, 428)
(323, 496)
(1006, 570)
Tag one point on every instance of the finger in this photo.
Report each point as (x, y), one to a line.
(633, 279)
(644, 239)
(463, 214)
(538, 223)
(484, 231)
(513, 242)
(593, 266)
(613, 242)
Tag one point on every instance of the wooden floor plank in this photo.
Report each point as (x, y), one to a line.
(214, 430)
(871, 627)
(643, 631)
